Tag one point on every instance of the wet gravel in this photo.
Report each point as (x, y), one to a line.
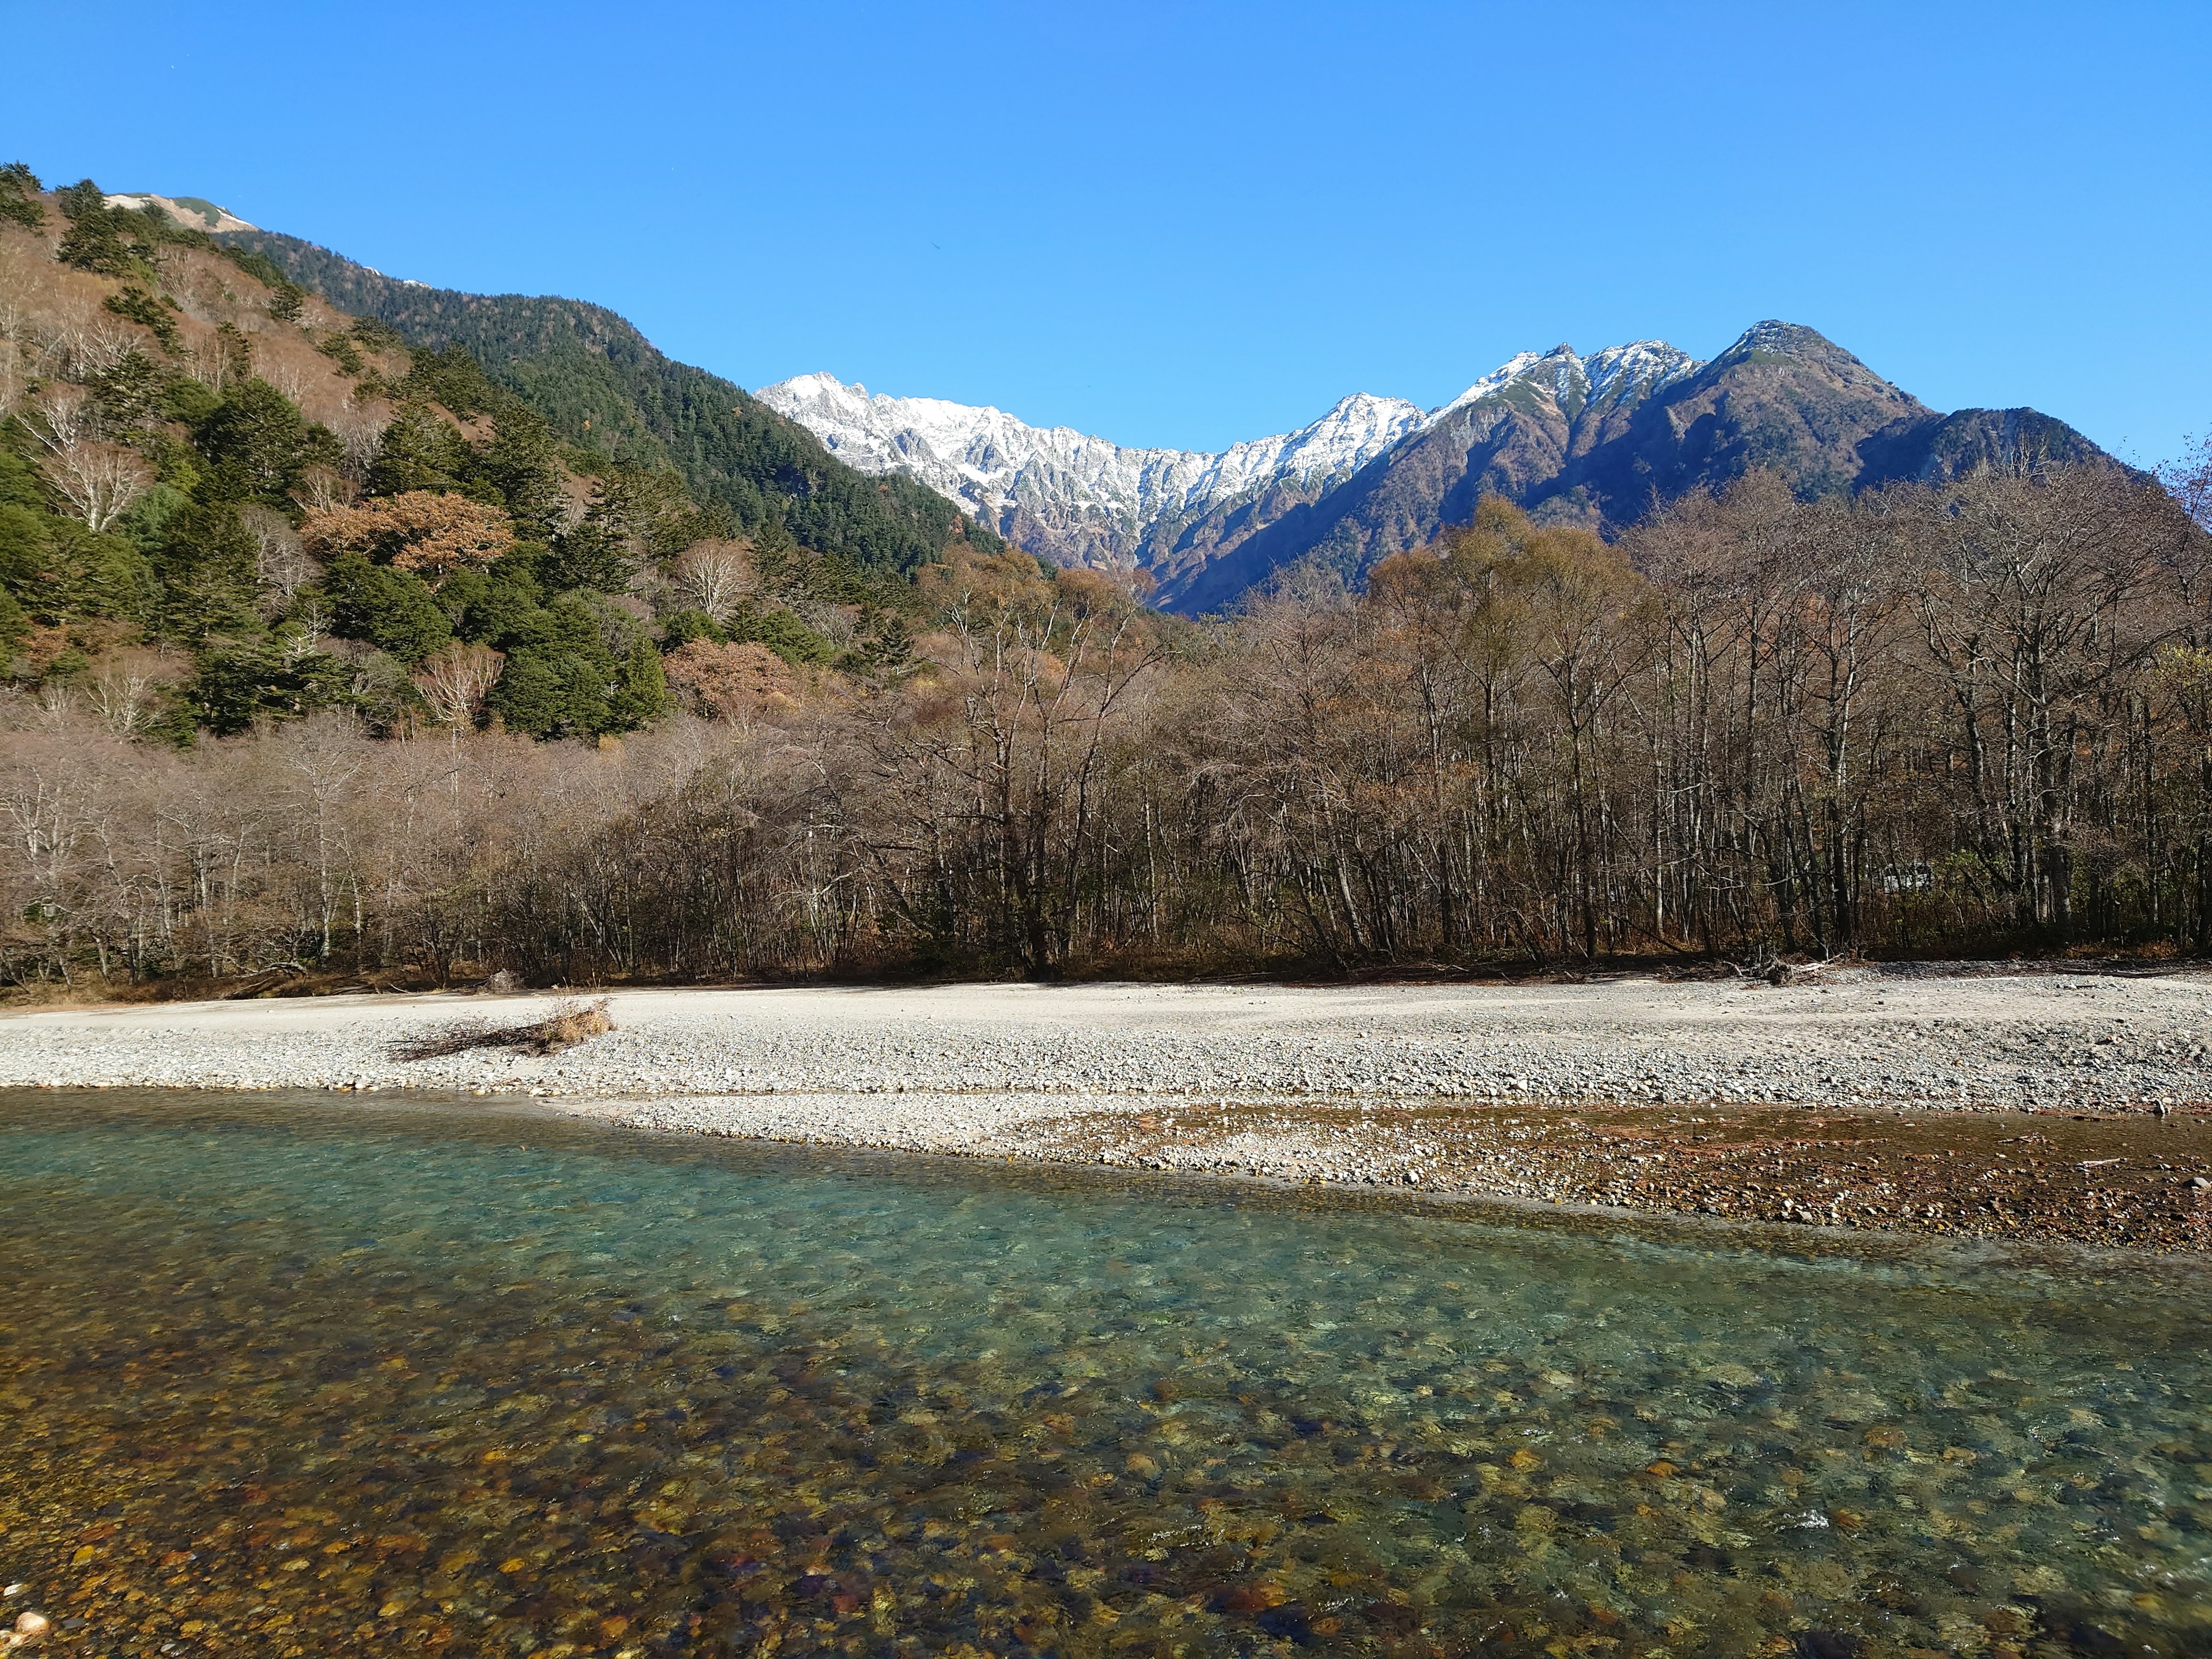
(2104, 1180)
(2063, 1105)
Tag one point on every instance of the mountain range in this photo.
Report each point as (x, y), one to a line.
(599, 383)
(1594, 440)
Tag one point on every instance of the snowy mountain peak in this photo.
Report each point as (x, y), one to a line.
(1489, 385)
(1085, 500)
(1077, 497)
(1644, 365)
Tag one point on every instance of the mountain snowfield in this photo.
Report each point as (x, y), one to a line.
(1639, 368)
(1080, 499)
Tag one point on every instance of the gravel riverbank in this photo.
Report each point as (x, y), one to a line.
(1667, 1095)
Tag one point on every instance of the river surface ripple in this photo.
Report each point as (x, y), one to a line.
(292, 1375)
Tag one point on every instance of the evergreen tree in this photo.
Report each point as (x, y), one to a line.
(205, 565)
(592, 556)
(129, 392)
(59, 572)
(19, 190)
(190, 401)
(236, 350)
(500, 606)
(520, 466)
(780, 631)
(84, 199)
(253, 442)
(533, 696)
(393, 610)
(99, 239)
(641, 690)
(20, 485)
(15, 624)
(135, 305)
(273, 678)
(418, 452)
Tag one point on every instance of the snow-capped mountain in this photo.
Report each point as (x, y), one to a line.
(1080, 499)
(1635, 369)
(1593, 442)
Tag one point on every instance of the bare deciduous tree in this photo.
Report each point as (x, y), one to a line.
(714, 576)
(360, 429)
(13, 342)
(456, 679)
(319, 489)
(125, 691)
(2189, 481)
(281, 564)
(100, 480)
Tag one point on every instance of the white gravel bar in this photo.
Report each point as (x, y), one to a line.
(974, 1066)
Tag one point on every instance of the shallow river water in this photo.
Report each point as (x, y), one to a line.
(302, 1375)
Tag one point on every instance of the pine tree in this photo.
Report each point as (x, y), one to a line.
(19, 190)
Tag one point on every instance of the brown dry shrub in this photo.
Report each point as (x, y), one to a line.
(735, 682)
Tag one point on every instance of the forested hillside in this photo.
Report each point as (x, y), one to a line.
(332, 659)
(598, 382)
(226, 501)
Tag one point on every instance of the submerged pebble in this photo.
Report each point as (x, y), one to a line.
(362, 1379)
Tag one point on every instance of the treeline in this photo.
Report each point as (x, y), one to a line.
(1972, 718)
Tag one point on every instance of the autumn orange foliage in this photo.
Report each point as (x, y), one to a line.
(433, 535)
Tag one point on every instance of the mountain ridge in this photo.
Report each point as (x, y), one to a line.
(1080, 499)
(599, 382)
(194, 212)
(1595, 441)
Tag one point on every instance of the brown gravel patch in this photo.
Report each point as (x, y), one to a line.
(2134, 1179)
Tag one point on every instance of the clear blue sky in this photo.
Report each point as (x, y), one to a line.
(1189, 223)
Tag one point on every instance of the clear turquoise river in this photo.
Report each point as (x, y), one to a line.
(305, 1376)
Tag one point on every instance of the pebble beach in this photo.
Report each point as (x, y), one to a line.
(1978, 1100)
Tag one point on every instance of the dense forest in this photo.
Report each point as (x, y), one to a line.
(339, 650)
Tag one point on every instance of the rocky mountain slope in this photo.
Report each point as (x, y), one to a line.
(1080, 500)
(1594, 440)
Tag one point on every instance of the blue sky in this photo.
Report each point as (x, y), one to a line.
(1188, 224)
